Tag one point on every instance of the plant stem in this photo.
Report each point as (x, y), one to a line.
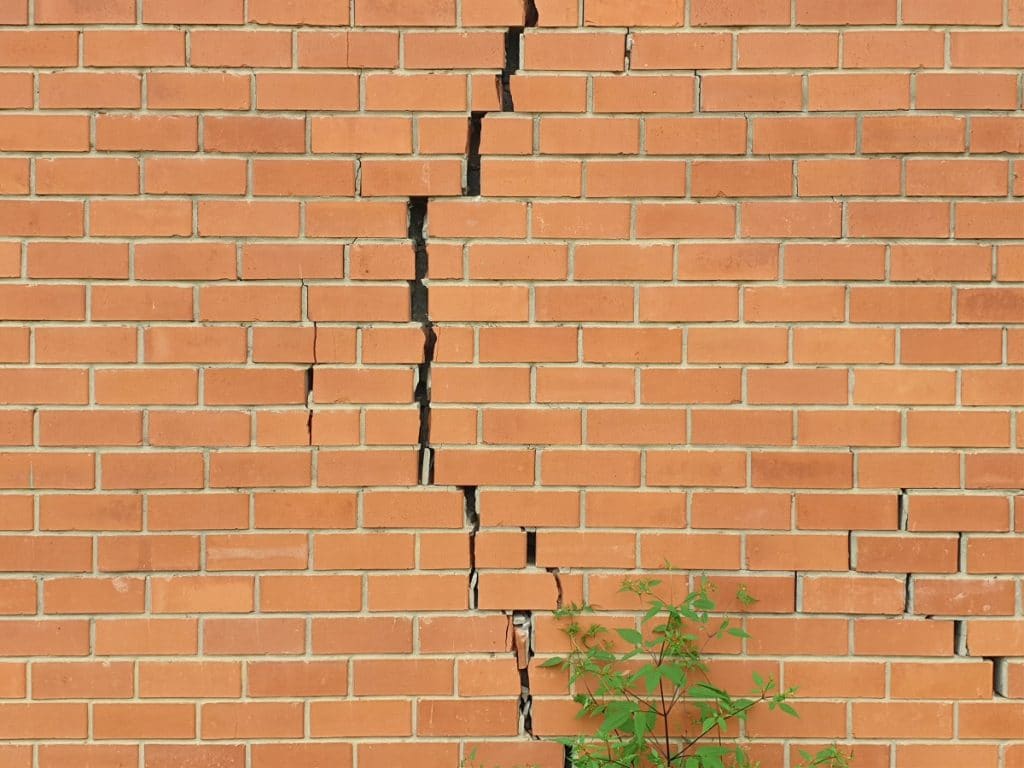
(706, 731)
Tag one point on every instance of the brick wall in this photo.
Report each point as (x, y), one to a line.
(342, 344)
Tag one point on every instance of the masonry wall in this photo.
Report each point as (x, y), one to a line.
(342, 344)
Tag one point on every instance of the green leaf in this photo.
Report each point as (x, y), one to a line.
(758, 680)
(674, 674)
(704, 603)
(630, 636)
(788, 709)
(707, 691)
(737, 632)
(554, 661)
(618, 714)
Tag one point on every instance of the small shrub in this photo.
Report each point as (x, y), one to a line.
(650, 693)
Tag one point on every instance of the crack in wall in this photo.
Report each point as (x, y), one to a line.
(310, 378)
(560, 594)
(960, 637)
(1000, 676)
(522, 628)
(473, 521)
(513, 54)
(309, 404)
(503, 83)
(420, 298)
(476, 126)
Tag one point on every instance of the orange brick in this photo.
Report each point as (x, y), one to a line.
(755, 93)
(945, 12)
(909, 470)
(883, 135)
(893, 49)
(847, 92)
(144, 721)
(638, 94)
(134, 48)
(435, 93)
(203, 679)
(567, 51)
(201, 594)
(197, 90)
(221, 48)
(191, 12)
(797, 219)
(146, 637)
(248, 719)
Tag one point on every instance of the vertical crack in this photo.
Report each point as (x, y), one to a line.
(531, 547)
(522, 623)
(513, 51)
(476, 125)
(959, 637)
(309, 404)
(310, 374)
(503, 82)
(559, 599)
(513, 54)
(420, 297)
(908, 594)
(1000, 676)
(903, 509)
(531, 15)
(473, 521)
(628, 53)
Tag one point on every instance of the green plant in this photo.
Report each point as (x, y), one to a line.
(649, 689)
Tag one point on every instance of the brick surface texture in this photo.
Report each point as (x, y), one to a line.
(343, 341)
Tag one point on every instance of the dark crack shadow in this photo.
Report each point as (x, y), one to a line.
(420, 298)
